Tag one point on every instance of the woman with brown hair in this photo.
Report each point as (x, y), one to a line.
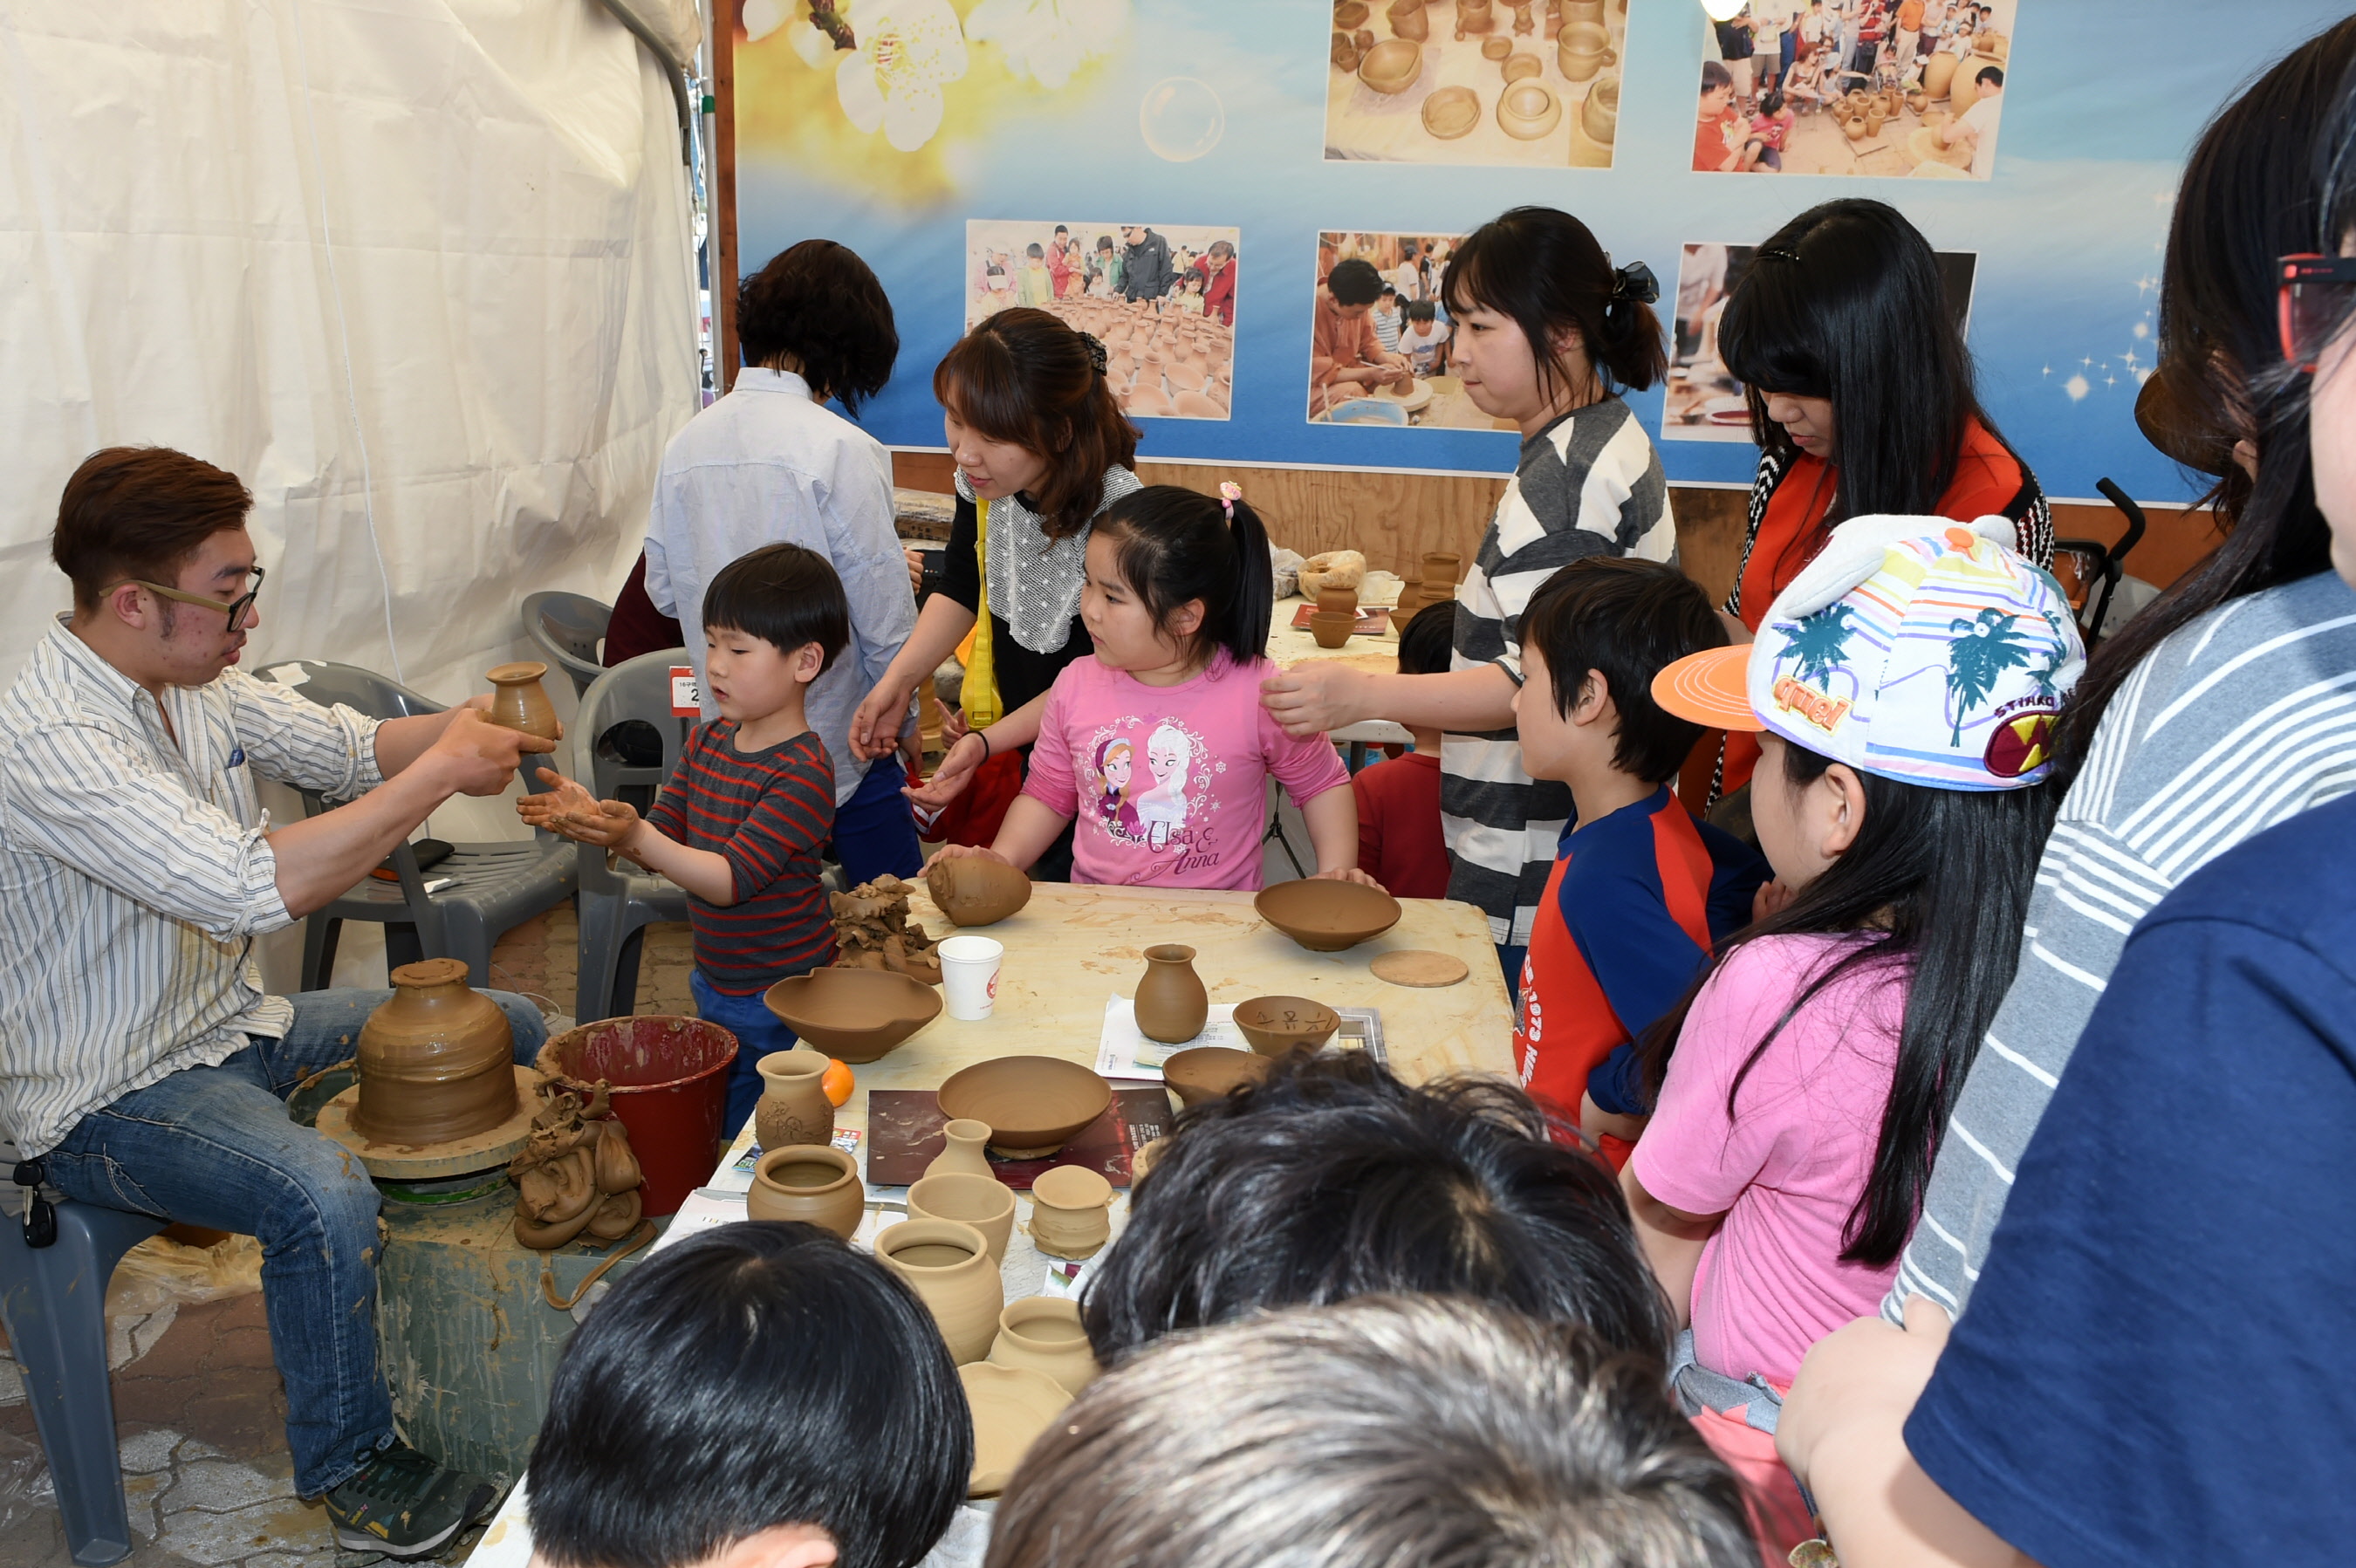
(1041, 449)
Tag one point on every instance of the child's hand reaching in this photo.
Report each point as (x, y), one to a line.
(569, 811)
(1349, 873)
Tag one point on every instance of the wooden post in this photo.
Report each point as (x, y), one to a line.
(722, 194)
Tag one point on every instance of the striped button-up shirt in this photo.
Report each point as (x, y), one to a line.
(135, 874)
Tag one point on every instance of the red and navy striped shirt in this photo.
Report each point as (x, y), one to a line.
(770, 813)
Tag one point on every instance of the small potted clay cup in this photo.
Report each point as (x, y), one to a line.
(1276, 1025)
(1044, 1334)
(1408, 20)
(1337, 601)
(815, 1182)
(794, 1108)
(964, 1144)
(1330, 629)
(519, 701)
(947, 1265)
(1172, 1006)
(1069, 1216)
(1583, 48)
(983, 1202)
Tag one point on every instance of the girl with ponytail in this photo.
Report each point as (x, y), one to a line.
(1161, 737)
(1545, 333)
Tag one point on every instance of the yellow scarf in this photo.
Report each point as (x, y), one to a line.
(979, 698)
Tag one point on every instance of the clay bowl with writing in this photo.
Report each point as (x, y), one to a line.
(1034, 1105)
(853, 1014)
(1275, 1024)
(1326, 917)
(1207, 1072)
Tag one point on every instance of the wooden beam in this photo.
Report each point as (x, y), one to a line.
(721, 197)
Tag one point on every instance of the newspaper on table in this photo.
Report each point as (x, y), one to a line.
(1123, 1050)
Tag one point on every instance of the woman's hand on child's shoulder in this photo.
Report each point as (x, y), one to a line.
(1311, 698)
(1348, 873)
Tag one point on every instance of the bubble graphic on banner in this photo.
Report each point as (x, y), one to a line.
(1181, 119)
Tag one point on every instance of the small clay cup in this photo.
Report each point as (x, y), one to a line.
(964, 1142)
(947, 1265)
(1275, 1024)
(1330, 629)
(983, 1202)
(1044, 1334)
(1068, 1212)
(816, 1183)
(1496, 50)
(793, 1108)
(1208, 1072)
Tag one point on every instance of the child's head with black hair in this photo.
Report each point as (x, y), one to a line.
(1421, 312)
(1034, 252)
(773, 621)
(760, 1390)
(1593, 637)
(1771, 103)
(818, 310)
(1175, 578)
(1354, 284)
(1428, 639)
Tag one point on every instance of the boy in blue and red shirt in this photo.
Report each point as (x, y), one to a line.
(745, 818)
(1641, 892)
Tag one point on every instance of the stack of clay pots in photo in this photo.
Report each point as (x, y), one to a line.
(1162, 364)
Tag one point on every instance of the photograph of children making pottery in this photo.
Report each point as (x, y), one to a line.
(1706, 401)
(1159, 298)
(1380, 348)
(1854, 87)
(1517, 83)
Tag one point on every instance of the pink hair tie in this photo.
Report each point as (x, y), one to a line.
(1230, 493)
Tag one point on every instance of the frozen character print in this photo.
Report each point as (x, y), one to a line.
(1115, 764)
(1161, 806)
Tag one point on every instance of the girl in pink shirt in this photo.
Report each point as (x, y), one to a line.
(1157, 746)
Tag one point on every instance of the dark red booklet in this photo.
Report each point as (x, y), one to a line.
(904, 1136)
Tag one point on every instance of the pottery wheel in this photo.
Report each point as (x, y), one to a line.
(1414, 967)
(425, 1162)
(1414, 398)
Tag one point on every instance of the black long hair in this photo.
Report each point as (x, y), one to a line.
(1545, 269)
(1938, 883)
(1844, 303)
(2261, 184)
(1173, 545)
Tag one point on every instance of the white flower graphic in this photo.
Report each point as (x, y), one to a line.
(1047, 40)
(893, 80)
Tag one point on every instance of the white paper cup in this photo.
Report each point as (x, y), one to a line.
(970, 975)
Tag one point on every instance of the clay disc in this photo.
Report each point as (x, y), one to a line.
(1414, 967)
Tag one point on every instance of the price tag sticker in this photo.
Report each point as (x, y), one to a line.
(686, 699)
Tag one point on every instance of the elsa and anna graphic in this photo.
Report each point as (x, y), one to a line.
(1153, 813)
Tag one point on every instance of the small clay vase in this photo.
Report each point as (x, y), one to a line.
(437, 1061)
(1523, 21)
(1330, 629)
(947, 1265)
(963, 1150)
(1337, 601)
(793, 1108)
(1069, 1212)
(519, 701)
(815, 1182)
(1855, 129)
(1172, 1006)
(1044, 1334)
(974, 891)
(983, 1202)
(1408, 20)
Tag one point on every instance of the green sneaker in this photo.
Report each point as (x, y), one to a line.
(404, 1505)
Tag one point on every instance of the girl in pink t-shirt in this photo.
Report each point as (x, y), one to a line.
(1157, 746)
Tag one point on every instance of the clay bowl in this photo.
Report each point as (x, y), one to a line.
(1350, 15)
(1011, 1406)
(1325, 916)
(1391, 66)
(1150, 402)
(1034, 1105)
(1275, 1024)
(1452, 112)
(853, 1014)
(1521, 67)
(1528, 110)
(1207, 1072)
(1332, 628)
(1496, 48)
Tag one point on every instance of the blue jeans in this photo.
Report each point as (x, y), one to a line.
(758, 1032)
(213, 1146)
(874, 832)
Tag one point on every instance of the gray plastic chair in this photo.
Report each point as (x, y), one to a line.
(497, 887)
(619, 902)
(53, 1299)
(568, 627)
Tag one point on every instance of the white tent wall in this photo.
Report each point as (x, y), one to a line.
(419, 271)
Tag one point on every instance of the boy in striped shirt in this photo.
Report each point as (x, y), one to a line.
(744, 820)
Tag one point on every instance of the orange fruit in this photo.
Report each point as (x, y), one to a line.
(838, 1082)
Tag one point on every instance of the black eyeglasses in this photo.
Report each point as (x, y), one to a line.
(2312, 303)
(237, 606)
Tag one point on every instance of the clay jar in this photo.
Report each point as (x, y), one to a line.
(1331, 629)
(794, 1108)
(519, 701)
(1172, 1006)
(1044, 1334)
(983, 1202)
(1068, 1212)
(815, 1182)
(947, 1265)
(974, 891)
(1337, 601)
(437, 1061)
(1408, 20)
(963, 1146)
(1601, 113)
(1439, 576)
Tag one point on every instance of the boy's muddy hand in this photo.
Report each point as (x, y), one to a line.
(1349, 873)
(570, 810)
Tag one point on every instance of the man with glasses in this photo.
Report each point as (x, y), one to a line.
(142, 1064)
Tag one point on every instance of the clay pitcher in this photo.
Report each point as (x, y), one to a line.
(794, 1108)
(1172, 1006)
(974, 891)
(1408, 20)
(1044, 1334)
(437, 1061)
(1581, 49)
(814, 1183)
(963, 1150)
(519, 701)
(1069, 1212)
(947, 1265)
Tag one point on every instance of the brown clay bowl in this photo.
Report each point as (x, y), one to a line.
(1452, 112)
(1332, 628)
(1496, 48)
(1034, 1105)
(1391, 66)
(853, 1014)
(1207, 1072)
(1326, 917)
(1528, 110)
(1012, 1407)
(1521, 66)
(1275, 1024)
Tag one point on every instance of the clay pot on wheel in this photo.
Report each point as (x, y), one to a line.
(816, 1184)
(519, 701)
(437, 1061)
(1172, 1006)
(947, 1265)
(1044, 1334)
(1068, 1212)
(793, 1108)
(964, 1142)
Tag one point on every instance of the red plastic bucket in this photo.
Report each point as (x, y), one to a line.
(669, 1086)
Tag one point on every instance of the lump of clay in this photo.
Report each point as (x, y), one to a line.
(576, 1173)
(1332, 569)
(974, 890)
(872, 930)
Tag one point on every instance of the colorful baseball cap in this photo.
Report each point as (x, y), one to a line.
(1919, 649)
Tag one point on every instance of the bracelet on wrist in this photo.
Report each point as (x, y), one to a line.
(982, 736)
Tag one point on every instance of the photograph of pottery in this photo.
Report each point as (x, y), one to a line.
(1705, 403)
(949, 1267)
(1161, 297)
(1379, 336)
(1497, 82)
(1852, 90)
